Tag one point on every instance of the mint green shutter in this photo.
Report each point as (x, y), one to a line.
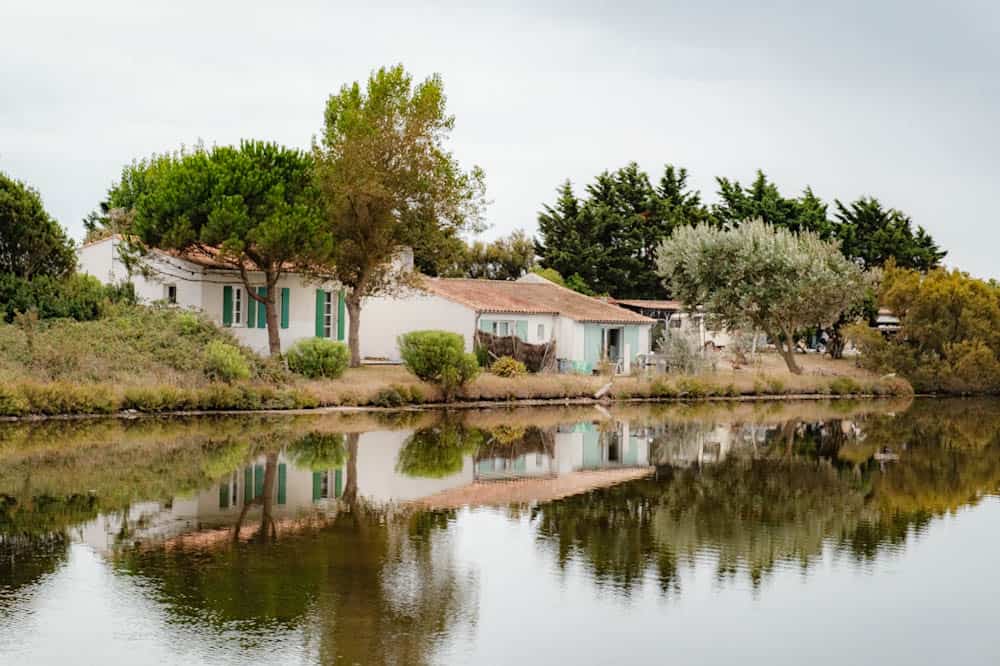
(262, 311)
(320, 305)
(341, 308)
(338, 483)
(282, 483)
(632, 340)
(486, 325)
(224, 495)
(521, 328)
(247, 485)
(251, 318)
(258, 480)
(317, 485)
(592, 344)
(227, 306)
(285, 296)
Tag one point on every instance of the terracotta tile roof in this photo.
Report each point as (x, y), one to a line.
(534, 297)
(649, 304)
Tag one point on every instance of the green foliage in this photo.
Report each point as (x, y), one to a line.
(79, 297)
(550, 274)
(660, 388)
(392, 396)
(605, 242)
(32, 244)
(224, 362)
(761, 277)
(387, 181)
(682, 352)
(874, 236)
(318, 358)
(438, 451)
(949, 337)
(256, 203)
(762, 200)
(845, 386)
(506, 258)
(507, 366)
(439, 357)
(319, 451)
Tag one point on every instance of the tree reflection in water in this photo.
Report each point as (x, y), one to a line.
(783, 495)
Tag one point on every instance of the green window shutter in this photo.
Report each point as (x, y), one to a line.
(251, 318)
(224, 495)
(317, 485)
(338, 483)
(262, 310)
(282, 483)
(341, 308)
(521, 328)
(247, 485)
(592, 343)
(320, 302)
(486, 325)
(227, 306)
(285, 296)
(258, 480)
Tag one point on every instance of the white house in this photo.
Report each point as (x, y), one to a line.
(585, 330)
(673, 316)
(200, 281)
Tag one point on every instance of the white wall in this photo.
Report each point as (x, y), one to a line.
(384, 318)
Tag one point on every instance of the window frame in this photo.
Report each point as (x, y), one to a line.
(329, 315)
(167, 296)
(239, 308)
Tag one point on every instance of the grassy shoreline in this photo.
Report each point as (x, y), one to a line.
(350, 393)
(138, 359)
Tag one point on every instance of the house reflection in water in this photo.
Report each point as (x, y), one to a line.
(564, 449)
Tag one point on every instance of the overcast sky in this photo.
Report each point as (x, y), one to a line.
(900, 99)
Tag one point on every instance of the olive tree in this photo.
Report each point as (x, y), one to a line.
(759, 276)
(389, 182)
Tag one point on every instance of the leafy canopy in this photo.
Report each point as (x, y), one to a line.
(609, 238)
(31, 242)
(388, 181)
(256, 203)
(760, 276)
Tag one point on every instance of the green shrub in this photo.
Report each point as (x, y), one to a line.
(12, 402)
(507, 366)
(224, 362)
(775, 386)
(79, 297)
(439, 357)
(662, 389)
(692, 388)
(317, 357)
(416, 395)
(63, 398)
(845, 386)
(392, 396)
(730, 391)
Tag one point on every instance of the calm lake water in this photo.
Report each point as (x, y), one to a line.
(819, 533)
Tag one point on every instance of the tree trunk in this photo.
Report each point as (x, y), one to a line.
(267, 529)
(353, 303)
(787, 349)
(273, 331)
(350, 495)
(836, 342)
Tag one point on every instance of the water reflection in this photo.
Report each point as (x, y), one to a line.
(328, 533)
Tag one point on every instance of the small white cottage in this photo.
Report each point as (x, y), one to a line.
(585, 330)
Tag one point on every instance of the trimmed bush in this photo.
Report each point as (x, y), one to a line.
(393, 396)
(845, 386)
(225, 362)
(507, 366)
(439, 357)
(317, 358)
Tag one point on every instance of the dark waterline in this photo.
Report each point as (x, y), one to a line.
(772, 534)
